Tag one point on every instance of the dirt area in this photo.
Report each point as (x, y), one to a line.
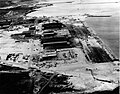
(54, 55)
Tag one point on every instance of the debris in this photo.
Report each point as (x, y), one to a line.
(53, 56)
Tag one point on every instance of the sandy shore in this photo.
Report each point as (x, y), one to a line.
(107, 28)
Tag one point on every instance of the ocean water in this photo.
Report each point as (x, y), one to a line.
(107, 28)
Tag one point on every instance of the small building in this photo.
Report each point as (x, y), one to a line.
(54, 39)
(49, 55)
(52, 26)
(56, 45)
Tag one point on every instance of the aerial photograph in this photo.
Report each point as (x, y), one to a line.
(59, 47)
